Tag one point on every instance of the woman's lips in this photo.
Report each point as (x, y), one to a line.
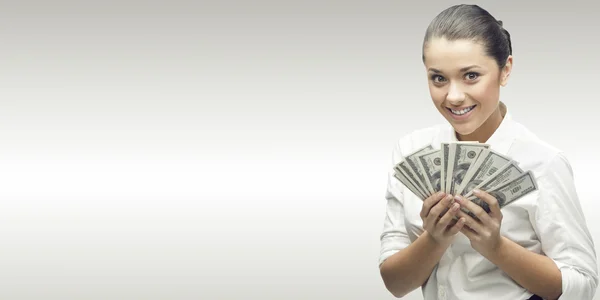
(463, 116)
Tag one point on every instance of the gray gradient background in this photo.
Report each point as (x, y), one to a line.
(239, 149)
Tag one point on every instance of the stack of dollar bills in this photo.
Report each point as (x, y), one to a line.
(458, 168)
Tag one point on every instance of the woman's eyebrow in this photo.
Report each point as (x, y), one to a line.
(469, 67)
(461, 70)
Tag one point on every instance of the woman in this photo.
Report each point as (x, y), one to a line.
(536, 247)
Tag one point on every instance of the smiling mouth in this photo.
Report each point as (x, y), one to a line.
(461, 111)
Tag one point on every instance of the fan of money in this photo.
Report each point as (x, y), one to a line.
(458, 168)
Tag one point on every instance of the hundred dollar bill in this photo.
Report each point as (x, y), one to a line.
(403, 168)
(409, 185)
(462, 155)
(487, 164)
(431, 164)
(506, 174)
(510, 191)
(449, 162)
(413, 162)
(444, 157)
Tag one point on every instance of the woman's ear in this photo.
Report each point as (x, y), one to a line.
(505, 74)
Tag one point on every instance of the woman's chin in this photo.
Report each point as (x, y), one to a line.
(464, 129)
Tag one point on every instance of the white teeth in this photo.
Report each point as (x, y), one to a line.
(462, 112)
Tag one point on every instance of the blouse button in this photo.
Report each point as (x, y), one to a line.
(441, 293)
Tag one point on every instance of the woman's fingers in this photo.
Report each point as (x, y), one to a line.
(430, 202)
(447, 217)
(458, 226)
(491, 202)
(469, 221)
(436, 211)
(481, 214)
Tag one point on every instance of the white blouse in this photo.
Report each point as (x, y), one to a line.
(548, 221)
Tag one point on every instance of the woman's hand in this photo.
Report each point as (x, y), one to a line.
(483, 231)
(437, 213)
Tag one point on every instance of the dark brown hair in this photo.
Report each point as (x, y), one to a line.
(473, 23)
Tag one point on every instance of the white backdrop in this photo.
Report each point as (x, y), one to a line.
(239, 149)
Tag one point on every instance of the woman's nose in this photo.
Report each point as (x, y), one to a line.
(455, 95)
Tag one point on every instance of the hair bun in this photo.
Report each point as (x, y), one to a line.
(499, 22)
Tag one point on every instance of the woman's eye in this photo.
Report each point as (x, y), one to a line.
(437, 78)
(472, 75)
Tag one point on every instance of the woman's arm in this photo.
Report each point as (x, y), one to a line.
(567, 269)
(410, 268)
(560, 225)
(406, 265)
(537, 273)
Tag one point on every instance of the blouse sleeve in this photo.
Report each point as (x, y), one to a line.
(561, 227)
(394, 236)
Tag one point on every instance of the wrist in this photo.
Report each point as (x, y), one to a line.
(496, 255)
(442, 245)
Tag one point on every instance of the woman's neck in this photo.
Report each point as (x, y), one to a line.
(486, 130)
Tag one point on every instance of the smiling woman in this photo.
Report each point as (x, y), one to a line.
(468, 56)
(537, 247)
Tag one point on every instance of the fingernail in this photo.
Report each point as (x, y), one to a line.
(455, 207)
(449, 197)
(476, 191)
(457, 198)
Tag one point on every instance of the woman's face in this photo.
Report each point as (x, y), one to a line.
(464, 82)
